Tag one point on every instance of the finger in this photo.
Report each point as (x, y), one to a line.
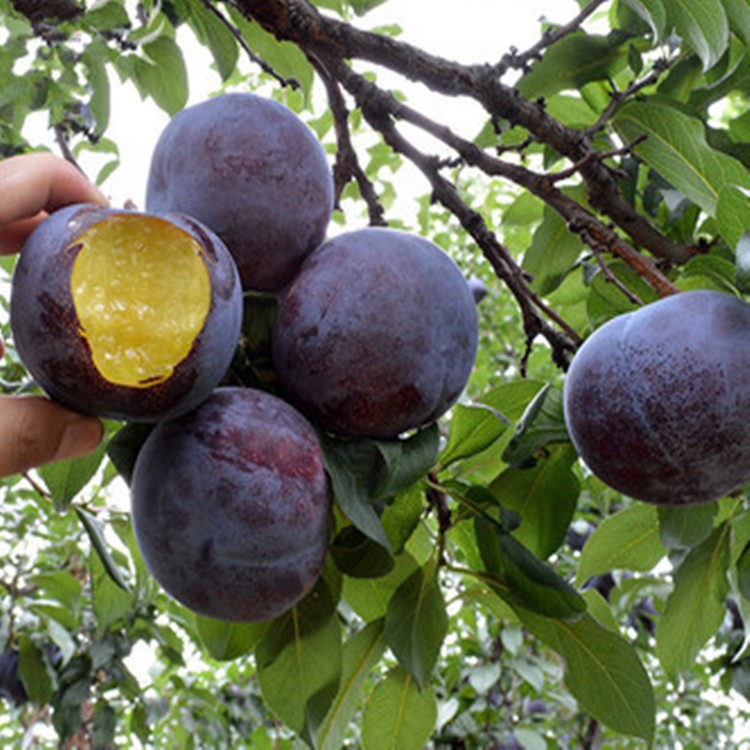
(36, 182)
(36, 431)
(13, 236)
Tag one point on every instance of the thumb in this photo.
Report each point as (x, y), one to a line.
(36, 431)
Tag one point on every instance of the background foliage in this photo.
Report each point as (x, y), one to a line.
(482, 589)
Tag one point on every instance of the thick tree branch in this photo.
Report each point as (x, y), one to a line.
(579, 220)
(331, 40)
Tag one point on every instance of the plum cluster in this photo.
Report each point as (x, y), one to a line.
(657, 400)
(376, 335)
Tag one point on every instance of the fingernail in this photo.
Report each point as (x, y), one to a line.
(81, 436)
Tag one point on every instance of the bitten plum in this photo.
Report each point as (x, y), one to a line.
(251, 170)
(125, 315)
(377, 334)
(231, 506)
(657, 401)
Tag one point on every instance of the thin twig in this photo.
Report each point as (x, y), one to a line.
(600, 156)
(347, 164)
(259, 61)
(521, 61)
(617, 98)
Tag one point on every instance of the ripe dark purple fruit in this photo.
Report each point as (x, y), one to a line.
(657, 400)
(123, 314)
(231, 506)
(377, 334)
(251, 170)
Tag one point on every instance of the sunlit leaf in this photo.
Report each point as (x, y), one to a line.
(397, 715)
(300, 657)
(416, 623)
(602, 671)
(703, 25)
(573, 62)
(675, 146)
(626, 540)
(361, 653)
(696, 607)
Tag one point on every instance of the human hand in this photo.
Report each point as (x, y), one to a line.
(33, 429)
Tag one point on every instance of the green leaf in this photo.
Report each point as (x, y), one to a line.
(402, 514)
(95, 530)
(351, 466)
(733, 215)
(522, 579)
(61, 586)
(602, 671)
(361, 653)
(124, 447)
(552, 254)
(475, 427)
(93, 60)
(406, 461)
(676, 147)
(695, 608)
(544, 496)
(703, 25)
(605, 300)
(572, 62)
(356, 555)
(369, 597)
(104, 725)
(300, 657)
(738, 13)
(33, 671)
(361, 7)
(65, 479)
(627, 540)
(397, 715)
(687, 526)
(416, 623)
(110, 602)
(163, 75)
(711, 270)
(225, 641)
(542, 423)
(107, 16)
(743, 572)
(653, 13)
(215, 35)
(286, 58)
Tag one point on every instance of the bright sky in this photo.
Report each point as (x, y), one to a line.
(470, 31)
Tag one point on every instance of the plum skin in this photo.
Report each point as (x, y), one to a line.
(48, 340)
(231, 506)
(377, 334)
(656, 401)
(250, 169)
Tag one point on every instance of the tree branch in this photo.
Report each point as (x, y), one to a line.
(579, 220)
(329, 39)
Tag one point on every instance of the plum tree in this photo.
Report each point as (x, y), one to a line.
(377, 334)
(656, 400)
(231, 506)
(125, 315)
(251, 170)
